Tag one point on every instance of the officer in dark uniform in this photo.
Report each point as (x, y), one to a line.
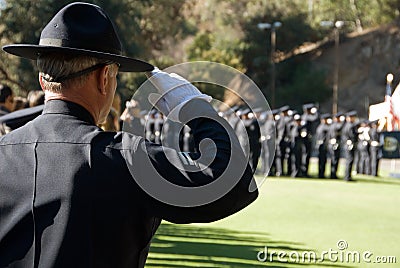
(334, 146)
(282, 139)
(375, 147)
(248, 132)
(268, 144)
(233, 117)
(133, 119)
(296, 151)
(143, 117)
(310, 117)
(362, 150)
(254, 134)
(260, 117)
(149, 126)
(72, 195)
(240, 129)
(158, 127)
(349, 141)
(321, 143)
(288, 153)
(171, 134)
(275, 163)
(187, 139)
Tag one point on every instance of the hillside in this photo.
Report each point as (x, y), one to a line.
(365, 60)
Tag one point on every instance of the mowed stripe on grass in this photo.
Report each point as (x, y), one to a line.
(292, 215)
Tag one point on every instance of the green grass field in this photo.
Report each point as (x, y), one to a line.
(294, 217)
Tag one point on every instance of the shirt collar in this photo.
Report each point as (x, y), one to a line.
(68, 108)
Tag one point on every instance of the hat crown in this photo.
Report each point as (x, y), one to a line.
(82, 26)
(80, 29)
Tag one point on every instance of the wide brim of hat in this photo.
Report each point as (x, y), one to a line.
(32, 52)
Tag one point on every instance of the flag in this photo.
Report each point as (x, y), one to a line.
(395, 106)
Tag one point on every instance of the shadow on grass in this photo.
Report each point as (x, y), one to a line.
(387, 171)
(378, 180)
(193, 246)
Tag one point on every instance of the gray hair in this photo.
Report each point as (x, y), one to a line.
(57, 65)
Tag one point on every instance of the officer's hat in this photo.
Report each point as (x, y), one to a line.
(80, 29)
(309, 106)
(351, 113)
(275, 111)
(339, 114)
(325, 116)
(284, 108)
(258, 110)
(363, 122)
(373, 122)
(246, 111)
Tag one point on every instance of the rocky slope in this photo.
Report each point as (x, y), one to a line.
(365, 60)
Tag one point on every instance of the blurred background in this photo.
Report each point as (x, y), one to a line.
(296, 51)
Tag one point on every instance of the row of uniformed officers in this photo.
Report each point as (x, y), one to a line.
(299, 136)
(282, 141)
(357, 140)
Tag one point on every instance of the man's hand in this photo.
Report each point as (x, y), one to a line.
(174, 92)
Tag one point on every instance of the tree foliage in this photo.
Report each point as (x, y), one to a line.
(143, 27)
(167, 32)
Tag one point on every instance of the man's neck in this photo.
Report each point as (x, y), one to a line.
(72, 98)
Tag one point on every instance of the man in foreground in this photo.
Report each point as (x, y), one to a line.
(72, 195)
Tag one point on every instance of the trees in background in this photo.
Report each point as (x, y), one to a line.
(169, 32)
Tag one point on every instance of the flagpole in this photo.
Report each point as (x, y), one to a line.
(388, 94)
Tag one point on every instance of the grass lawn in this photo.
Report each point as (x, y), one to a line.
(294, 217)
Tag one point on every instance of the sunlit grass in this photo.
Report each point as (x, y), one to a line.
(292, 215)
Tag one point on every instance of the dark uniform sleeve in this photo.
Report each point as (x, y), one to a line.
(210, 184)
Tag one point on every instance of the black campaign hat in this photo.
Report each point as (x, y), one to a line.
(80, 29)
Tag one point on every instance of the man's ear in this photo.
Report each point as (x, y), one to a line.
(102, 80)
(41, 81)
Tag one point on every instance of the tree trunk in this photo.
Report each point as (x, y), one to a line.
(356, 14)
